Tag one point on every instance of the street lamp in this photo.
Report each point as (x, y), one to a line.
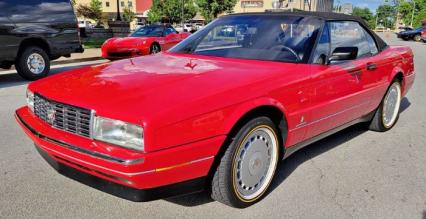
(412, 16)
(183, 12)
(118, 11)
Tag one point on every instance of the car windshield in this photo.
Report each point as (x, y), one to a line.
(148, 31)
(261, 37)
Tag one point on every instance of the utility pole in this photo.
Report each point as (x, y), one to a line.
(183, 14)
(118, 11)
(412, 16)
(377, 18)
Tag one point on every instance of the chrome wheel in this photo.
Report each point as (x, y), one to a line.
(391, 105)
(255, 163)
(36, 63)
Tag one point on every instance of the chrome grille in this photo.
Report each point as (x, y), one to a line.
(62, 116)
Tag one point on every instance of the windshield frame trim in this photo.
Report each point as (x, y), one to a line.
(305, 60)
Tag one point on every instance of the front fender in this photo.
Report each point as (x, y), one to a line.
(216, 123)
(245, 107)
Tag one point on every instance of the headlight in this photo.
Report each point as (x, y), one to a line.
(30, 100)
(118, 133)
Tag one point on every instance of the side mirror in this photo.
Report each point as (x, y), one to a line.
(343, 54)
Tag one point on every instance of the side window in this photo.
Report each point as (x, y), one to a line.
(168, 31)
(349, 34)
(33, 3)
(322, 51)
(371, 43)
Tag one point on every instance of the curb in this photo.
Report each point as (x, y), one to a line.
(63, 62)
(70, 61)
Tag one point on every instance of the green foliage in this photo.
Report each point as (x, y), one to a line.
(155, 13)
(128, 14)
(367, 15)
(94, 43)
(171, 10)
(92, 11)
(210, 9)
(387, 15)
(405, 10)
(96, 5)
(420, 18)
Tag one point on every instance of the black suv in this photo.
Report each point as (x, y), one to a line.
(34, 32)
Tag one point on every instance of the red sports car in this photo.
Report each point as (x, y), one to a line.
(220, 109)
(144, 41)
(424, 36)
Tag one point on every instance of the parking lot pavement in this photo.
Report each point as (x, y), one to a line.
(352, 174)
(88, 55)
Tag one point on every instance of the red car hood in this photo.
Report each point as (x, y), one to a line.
(153, 87)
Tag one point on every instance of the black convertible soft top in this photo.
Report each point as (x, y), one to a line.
(327, 16)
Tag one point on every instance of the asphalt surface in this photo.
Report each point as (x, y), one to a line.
(352, 174)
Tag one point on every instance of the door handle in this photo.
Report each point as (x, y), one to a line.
(371, 66)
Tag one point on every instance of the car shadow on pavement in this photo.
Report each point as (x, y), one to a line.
(192, 200)
(291, 163)
(405, 103)
(11, 80)
(287, 166)
(315, 149)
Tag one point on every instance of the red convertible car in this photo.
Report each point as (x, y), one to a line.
(144, 41)
(220, 109)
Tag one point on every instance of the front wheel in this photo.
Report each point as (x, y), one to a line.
(387, 114)
(155, 48)
(247, 168)
(33, 63)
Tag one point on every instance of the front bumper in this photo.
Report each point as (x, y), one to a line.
(137, 175)
(132, 194)
(122, 53)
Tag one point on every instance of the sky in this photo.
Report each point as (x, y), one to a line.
(372, 4)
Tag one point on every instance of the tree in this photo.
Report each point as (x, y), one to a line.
(419, 19)
(386, 15)
(210, 9)
(406, 8)
(128, 14)
(366, 15)
(92, 11)
(171, 10)
(155, 13)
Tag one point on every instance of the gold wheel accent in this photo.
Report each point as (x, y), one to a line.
(273, 163)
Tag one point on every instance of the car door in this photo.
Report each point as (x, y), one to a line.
(375, 74)
(335, 87)
(8, 45)
(171, 37)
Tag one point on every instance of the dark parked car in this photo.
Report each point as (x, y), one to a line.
(415, 34)
(402, 29)
(34, 32)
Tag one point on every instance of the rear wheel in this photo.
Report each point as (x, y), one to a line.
(33, 63)
(417, 38)
(388, 112)
(248, 165)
